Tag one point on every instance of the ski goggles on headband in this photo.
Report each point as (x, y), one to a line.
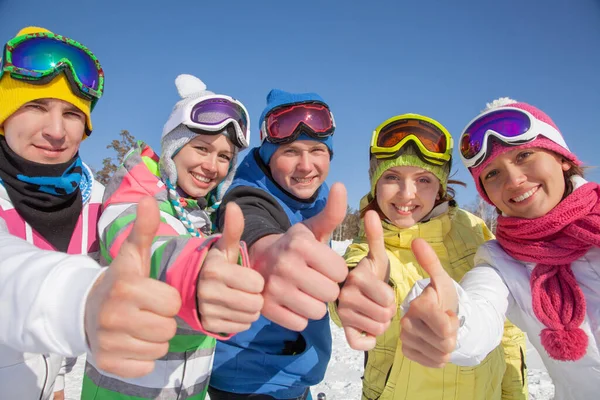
(432, 139)
(211, 115)
(284, 124)
(39, 57)
(512, 126)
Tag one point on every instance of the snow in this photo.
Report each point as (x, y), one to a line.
(343, 377)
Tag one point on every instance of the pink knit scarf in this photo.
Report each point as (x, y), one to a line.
(554, 241)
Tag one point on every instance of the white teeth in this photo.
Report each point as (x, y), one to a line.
(525, 195)
(405, 208)
(201, 178)
(303, 180)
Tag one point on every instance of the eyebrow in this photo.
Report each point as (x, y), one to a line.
(199, 139)
(45, 102)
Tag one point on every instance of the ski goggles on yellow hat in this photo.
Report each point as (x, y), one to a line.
(39, 57)
(431, 138)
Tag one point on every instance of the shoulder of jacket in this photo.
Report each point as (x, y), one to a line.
(493, 254)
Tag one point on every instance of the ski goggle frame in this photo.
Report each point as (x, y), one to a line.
(284, 124)
(509, 125)
(38, 58)
(432, 138)
(212, 115)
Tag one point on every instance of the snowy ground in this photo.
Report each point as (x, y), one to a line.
(343, 378)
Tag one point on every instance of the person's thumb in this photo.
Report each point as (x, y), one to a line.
(324, 223)
(233, 227)
(134, 254)
(377, 253)
(440, 281)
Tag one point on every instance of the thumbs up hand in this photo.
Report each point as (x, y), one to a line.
(229, 295)
(367, 303)
(301, 271)
(430, 326)
(129, 317)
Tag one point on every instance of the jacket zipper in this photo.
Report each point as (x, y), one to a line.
(46, 378)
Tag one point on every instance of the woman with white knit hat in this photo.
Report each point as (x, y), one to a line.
(200, 143)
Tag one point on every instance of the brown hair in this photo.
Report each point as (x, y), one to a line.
(574, 170)
(444, 197)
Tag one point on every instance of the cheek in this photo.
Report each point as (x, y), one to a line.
(493, 191)
(282, 167)
(384, 192)
(323, 164)
(429, 194)
(223, 169)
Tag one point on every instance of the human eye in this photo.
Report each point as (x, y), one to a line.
(35, 106)
(524, 155)
(225, 157)
(75, 114)
(491, 174)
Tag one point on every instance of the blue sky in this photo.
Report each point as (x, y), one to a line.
(368, 60)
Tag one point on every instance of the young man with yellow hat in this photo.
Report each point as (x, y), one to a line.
(54, 304)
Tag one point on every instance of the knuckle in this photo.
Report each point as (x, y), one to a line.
(170, 329)
(318, 311)
(104, 363)
(110, 319)
(331, 293)
(300, 325)
(120, 290)
(257, 303)
(210, 273)
(160, 350)
(296, 244)
(379, 329)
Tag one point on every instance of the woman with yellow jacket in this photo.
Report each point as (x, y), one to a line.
(410, 160)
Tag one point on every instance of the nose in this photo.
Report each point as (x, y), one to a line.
(210, 164)
(305, 163)
(514, 176)
(54, 129)
(406, 189)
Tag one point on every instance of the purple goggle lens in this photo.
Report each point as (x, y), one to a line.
(507, 123)
(216, 111)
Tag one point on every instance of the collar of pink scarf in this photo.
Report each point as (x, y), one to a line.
(553, 241)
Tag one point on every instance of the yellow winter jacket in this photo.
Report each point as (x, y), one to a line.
(455, 236)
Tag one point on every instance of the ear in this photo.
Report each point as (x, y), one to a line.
(565, 165)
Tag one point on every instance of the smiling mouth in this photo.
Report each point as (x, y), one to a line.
(525, 195)
(405, 209)
(50, 149)
(201, 178)
(304, 181)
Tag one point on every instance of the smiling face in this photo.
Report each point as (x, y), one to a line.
(203, 163)
(46, 131)
(407, 194)
(300, 167)
(525, 183)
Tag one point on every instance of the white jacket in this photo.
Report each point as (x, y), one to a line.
(499, 285)
(42, 304)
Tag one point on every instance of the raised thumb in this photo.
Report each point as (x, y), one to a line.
(134, 254)
(233, 227)
(324, 223)
(441, 282)
(377, 254)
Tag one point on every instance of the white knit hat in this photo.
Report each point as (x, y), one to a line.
(175, 136)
